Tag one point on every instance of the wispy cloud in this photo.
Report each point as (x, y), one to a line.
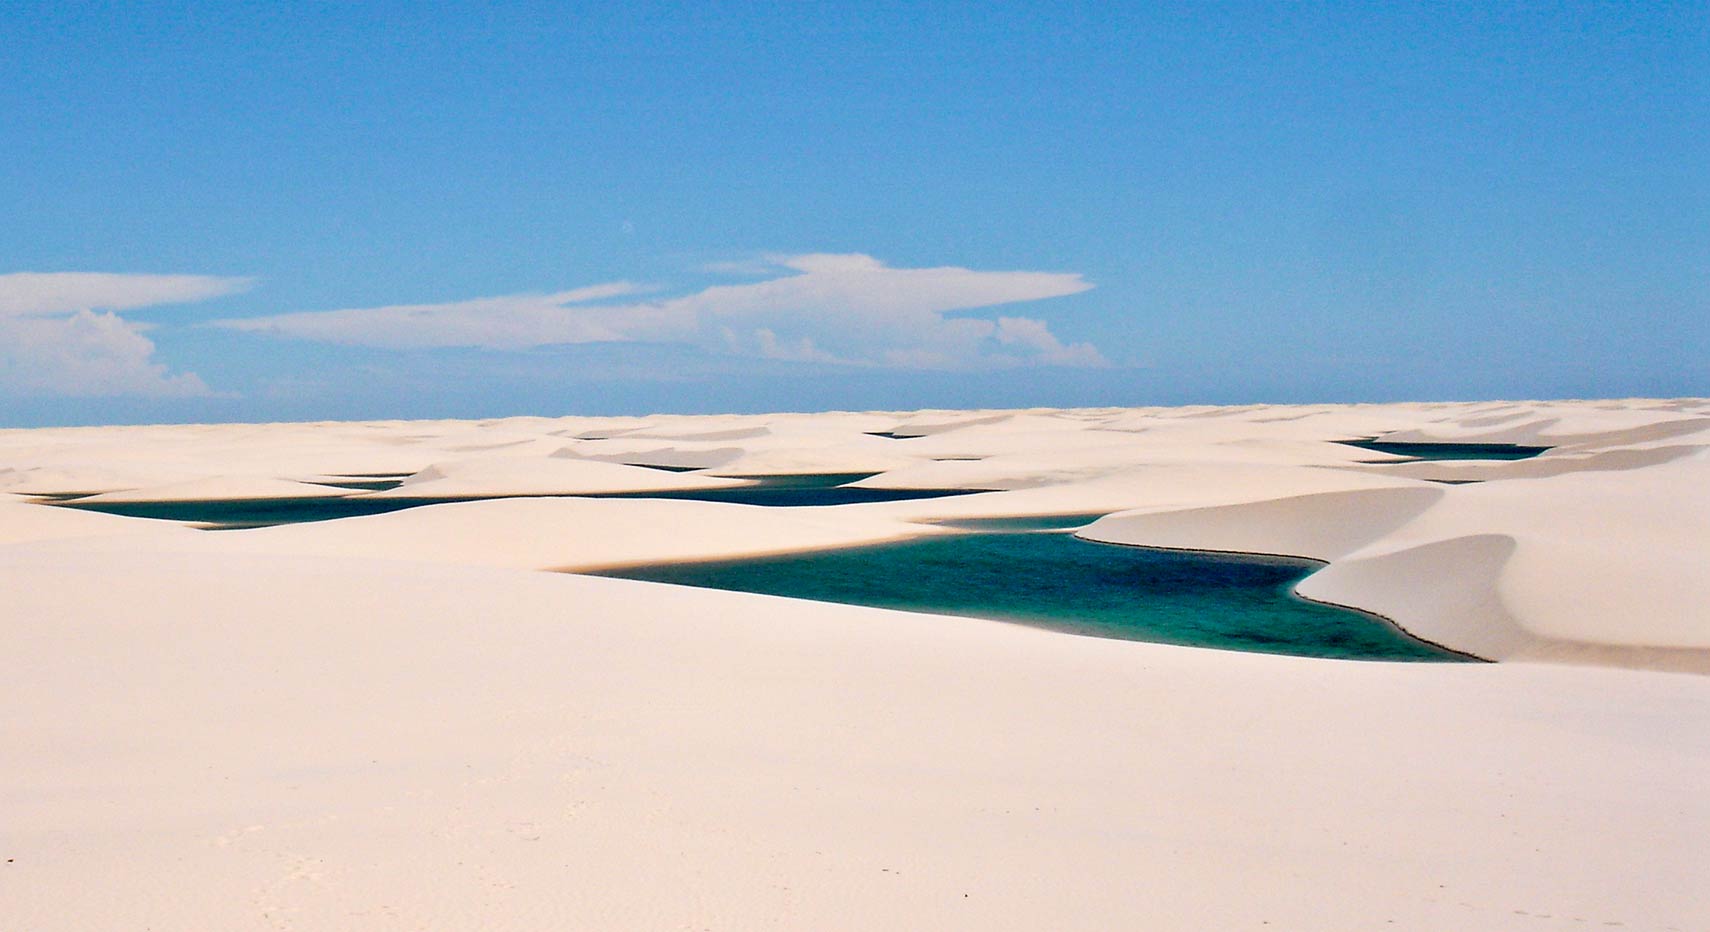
(59, 334)
(515, 321)
(34, 294)
(839, 309)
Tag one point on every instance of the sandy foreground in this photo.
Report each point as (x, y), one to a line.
(401, 722)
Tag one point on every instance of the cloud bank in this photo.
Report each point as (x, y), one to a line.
(59, 334)
(838, 309)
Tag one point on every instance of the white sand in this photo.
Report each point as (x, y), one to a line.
(396, 722)
(218, 488)
(554, 474)
(1587, 555)
(572, 533)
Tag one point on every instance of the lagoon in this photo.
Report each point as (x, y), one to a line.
(815, 489)
(1059, 581)
(1448, 451)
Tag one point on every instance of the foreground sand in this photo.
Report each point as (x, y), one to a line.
(397, 722)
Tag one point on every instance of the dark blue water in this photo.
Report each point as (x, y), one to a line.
(797, 497)
(362, 485)
(1449, 451)
(1058, 581)
(256, 512)
(665, 467)
(799, 490)
(778, 491)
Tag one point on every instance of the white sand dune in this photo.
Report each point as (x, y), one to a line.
(398, 722)
(1549, 425)
(778, 445)
(927, 423)
(1324, 526)
(572, 533)
(650, 454)
(552, 474)
(24, 521)
(733, 433)
(1602, 562)
(850, 458)
(1549, 464)
(80, 480)
(265, 742)
(1164, 486)
(220, 488)
(1595, 565)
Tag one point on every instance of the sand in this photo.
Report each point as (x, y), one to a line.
(559, 473)
(400, 722)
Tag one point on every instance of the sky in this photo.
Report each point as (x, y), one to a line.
(259, 212)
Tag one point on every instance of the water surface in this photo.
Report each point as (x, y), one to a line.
(361, 485)
(777, 491)
(1449, 451)
(1056, 580)
(1022, 523)
(798, 490)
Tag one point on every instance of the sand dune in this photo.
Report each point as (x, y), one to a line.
(397, 722)
(552, 474)
(1550, 464)
(315, 743)
(1601, 558)
(572, 533)
(81, 480)
(1323, 526)
(676, 456)
(1587, 564)
(23, 521)
(220, 488)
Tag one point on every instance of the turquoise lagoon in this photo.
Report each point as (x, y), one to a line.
(782, 491)
(1011, 570)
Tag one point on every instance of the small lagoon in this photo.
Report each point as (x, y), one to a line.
(1017, 570)
(236, 514)
(1448, 451)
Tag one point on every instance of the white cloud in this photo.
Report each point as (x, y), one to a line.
(1035, 336)
(506, 322)
(53, 341)
(34, 294)
(85, 354)
(849, 309)
(770, 347)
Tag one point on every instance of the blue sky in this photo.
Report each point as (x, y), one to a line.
(623, 208)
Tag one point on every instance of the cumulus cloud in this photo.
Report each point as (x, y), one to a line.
(1032, 335)
(83, 355)
(841, 309)
(59, 334)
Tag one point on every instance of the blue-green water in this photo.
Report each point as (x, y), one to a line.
(1022, 523)
(1062, 582)
(779, 491)
(1449, 451)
